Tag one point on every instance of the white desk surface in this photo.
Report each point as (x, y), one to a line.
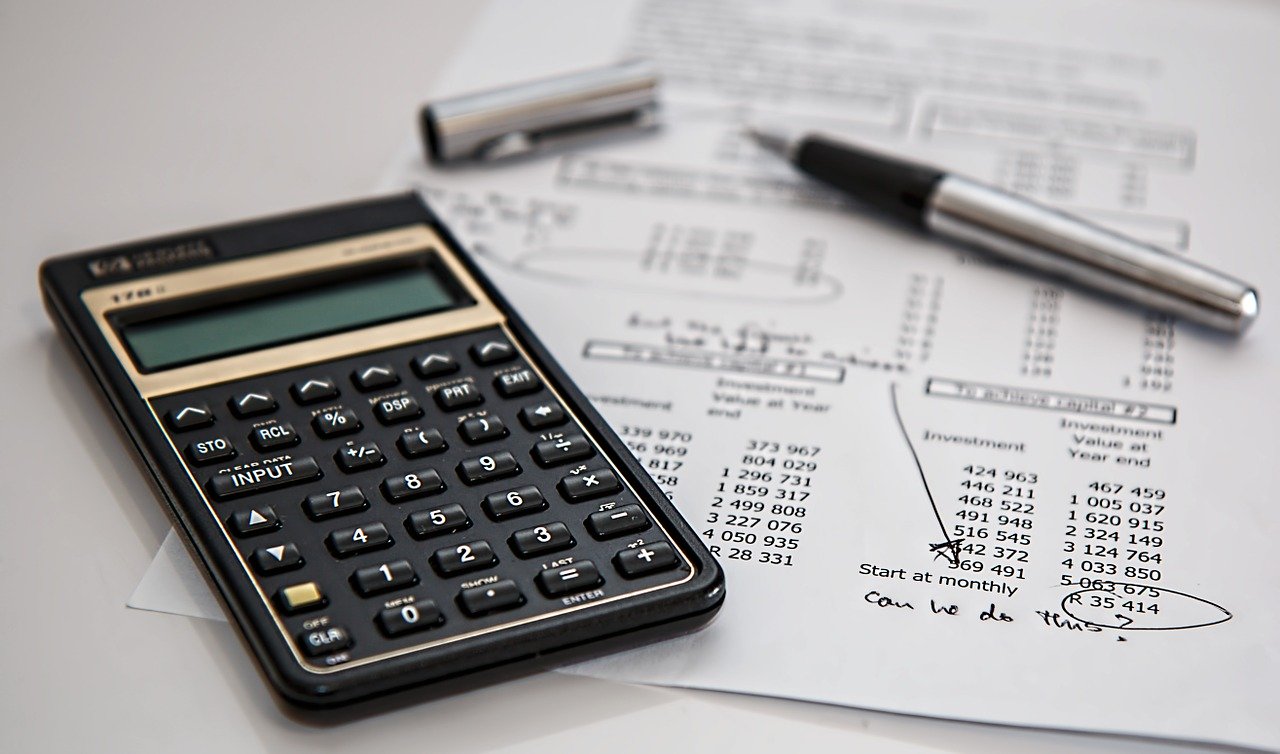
(122, 120)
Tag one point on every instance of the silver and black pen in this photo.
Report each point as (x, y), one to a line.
(1022, 231)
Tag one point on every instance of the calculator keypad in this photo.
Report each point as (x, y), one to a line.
(442, 489)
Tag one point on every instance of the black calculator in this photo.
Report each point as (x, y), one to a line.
(385, 475)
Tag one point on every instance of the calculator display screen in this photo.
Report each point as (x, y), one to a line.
(288, 316)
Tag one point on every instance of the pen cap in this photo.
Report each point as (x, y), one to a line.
(531, 116)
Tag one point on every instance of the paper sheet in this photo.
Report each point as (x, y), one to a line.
(938, 485)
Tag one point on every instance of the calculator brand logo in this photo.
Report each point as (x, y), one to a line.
(150, 260)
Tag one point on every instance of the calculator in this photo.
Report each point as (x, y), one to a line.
(386, 477)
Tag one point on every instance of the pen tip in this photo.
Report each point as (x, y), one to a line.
(770, 140)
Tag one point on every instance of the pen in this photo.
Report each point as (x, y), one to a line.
(1022, 231)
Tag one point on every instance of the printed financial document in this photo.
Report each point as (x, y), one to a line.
(938, 485)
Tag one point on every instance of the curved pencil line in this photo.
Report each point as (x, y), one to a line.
(897, 414)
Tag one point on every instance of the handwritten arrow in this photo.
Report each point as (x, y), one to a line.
(949, 546)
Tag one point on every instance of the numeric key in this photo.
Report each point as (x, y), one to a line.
(540, 540)
(357, 539)
(486, 468)
(386, 577)
(340, 502)
(437, 522)
(413, 485)
(511, 503)
(418, 615)
(471, 556)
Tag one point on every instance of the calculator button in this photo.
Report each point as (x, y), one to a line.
(399, 409)
(276, 559)
(324, 641)
(413, 485)
(542, 415)
(482, 429)
(617, 521)
(434, 365)
(366, 455)
(539, 540)
(299, 597)
(589, 484)
(511, 503)
(189, 417)
(406, 619)
(324, 505)
(423, 442)
(470, 556)
(374, 377)
(462, 395)
(212, 450)
(387, 577)
(254, 403)
(358, 539)
(446, 519)
(342, 421)
(488, 598)
(314, 390)
(568, 579)
(267, 476)
(492, 352)
(570, 447)
(274, 436)
(484, 468)
(520, 382)
(254, 521)
(635, 562)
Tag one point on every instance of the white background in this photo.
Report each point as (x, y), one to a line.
(125, 120)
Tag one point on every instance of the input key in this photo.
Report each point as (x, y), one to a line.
(264, 475)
